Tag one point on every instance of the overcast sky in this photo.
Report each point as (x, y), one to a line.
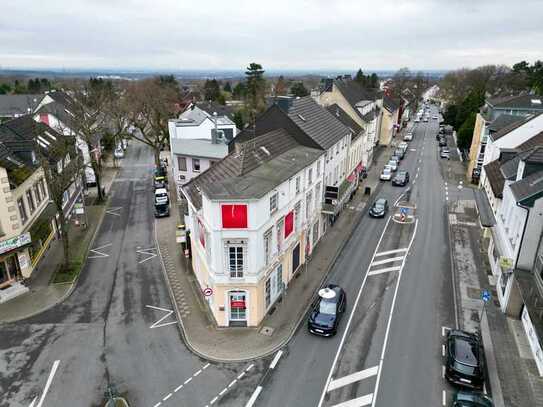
(279, 34)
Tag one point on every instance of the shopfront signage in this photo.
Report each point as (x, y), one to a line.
(237, 304)
(15, 242)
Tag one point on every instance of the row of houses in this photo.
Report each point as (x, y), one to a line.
(33, 128)
(259, 200)
(507, 151)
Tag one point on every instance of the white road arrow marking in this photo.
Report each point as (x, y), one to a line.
(114, 211)
(151, 253)
(158, 323)
(97, 253)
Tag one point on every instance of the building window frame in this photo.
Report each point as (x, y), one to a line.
(182, 163)
(22, 210)
(274, 202)
(30, 200)
(196, 166)
(268, 246)
(236, 260)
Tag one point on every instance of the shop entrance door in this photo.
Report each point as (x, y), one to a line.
(238, 308)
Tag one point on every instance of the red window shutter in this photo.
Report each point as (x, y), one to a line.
(234, 216)
(289, 223)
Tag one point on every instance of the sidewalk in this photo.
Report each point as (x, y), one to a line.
(236, 344)
(511, 369)
(43, 293)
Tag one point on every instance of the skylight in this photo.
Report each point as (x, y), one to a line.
(301, 118)
(265, 150)
(536, 101)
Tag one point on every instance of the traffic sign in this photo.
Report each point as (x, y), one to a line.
(207, 291)
(485, 295)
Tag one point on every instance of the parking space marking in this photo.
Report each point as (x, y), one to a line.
(97, 253)
(443, 350)
(159, 323)
(150, 253)
(444, 397)
(352, 378)
(169, 395)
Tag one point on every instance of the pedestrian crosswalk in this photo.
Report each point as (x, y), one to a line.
(350, 379)
(387, 261)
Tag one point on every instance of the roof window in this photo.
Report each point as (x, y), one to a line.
(301, 118)
(536, 101)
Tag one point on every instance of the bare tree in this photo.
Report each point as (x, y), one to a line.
(62, 165)
(150, 104)
(400, 82)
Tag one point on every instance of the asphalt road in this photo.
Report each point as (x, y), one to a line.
(102, 333)
(390, 353)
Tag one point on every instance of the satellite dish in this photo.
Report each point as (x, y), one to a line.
(327, 293)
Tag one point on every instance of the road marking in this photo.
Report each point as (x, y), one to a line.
(444, 329)
(358, 402)
(254, 396)
(232, 383)
(391, 260)
(150, 253)
(352, 378)
(178, 388)
(97, 253)
(48, 383)
(390, 252)
(241, 375)
(214, 400)
(188, 380)
(387, 331)
(250, 367)
(114, 211)
(167, 397)
(385, 270)
(223, 391)
(33, 401)
(443, 371)
(443, 350)
(444, 397)
(349, 321)
(158, 323)
(276, 359)
(158, 404)
(417, 175)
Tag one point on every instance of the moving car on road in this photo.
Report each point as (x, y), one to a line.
(379, 208)
(464, 365)
(401, 179)
(327, 311)
(386, 175)
(471, 399)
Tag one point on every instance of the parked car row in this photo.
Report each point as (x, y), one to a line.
(161, 195)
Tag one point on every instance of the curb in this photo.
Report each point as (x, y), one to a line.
(182, 331)
(74, 283)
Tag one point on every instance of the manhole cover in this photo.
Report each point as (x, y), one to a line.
(268, 331)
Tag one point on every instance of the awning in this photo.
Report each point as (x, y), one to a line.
(486, 216)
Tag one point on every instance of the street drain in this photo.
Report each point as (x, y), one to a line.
(267, 331)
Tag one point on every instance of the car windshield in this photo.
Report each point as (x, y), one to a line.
(392, 163)
(386, 171)
(327, 307)
(466, 352)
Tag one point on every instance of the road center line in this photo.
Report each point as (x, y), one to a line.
(352, 378)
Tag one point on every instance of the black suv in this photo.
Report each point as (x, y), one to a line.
(401, 179)
(327, 311)
(162, 210)
(379, 208)
(464, 366)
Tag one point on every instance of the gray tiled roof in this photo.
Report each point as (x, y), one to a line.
(16, 105)
(317, 122)
(504, 120)
(390, 104)
(253, 169)
(520, 102)
(528, 189)
(344, 118)
(513, 126)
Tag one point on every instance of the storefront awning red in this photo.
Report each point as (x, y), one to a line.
(352, 177)
(359, 168)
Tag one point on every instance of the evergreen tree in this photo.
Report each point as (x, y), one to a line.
(299, 90)
(227, 87)
(212, 90)
(360, 78)
(374, 81)
(256, 84)
(239, 91)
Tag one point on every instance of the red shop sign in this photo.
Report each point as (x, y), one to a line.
(237, 304)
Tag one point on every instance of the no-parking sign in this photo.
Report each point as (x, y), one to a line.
(207, 291)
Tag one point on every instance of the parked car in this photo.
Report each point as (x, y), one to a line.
(434, 117)
(161, 196)
(471, 399)
(404, 146)
(444, 153)
(162, 210)
(386, 175)
(417, 120)
(425, 120)
(401, 179)
(440, 135)
(442, 142)
(327, 311)
(464, 365)
(400, 153)
(408, 137)
(379, 208)
(393, 164)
